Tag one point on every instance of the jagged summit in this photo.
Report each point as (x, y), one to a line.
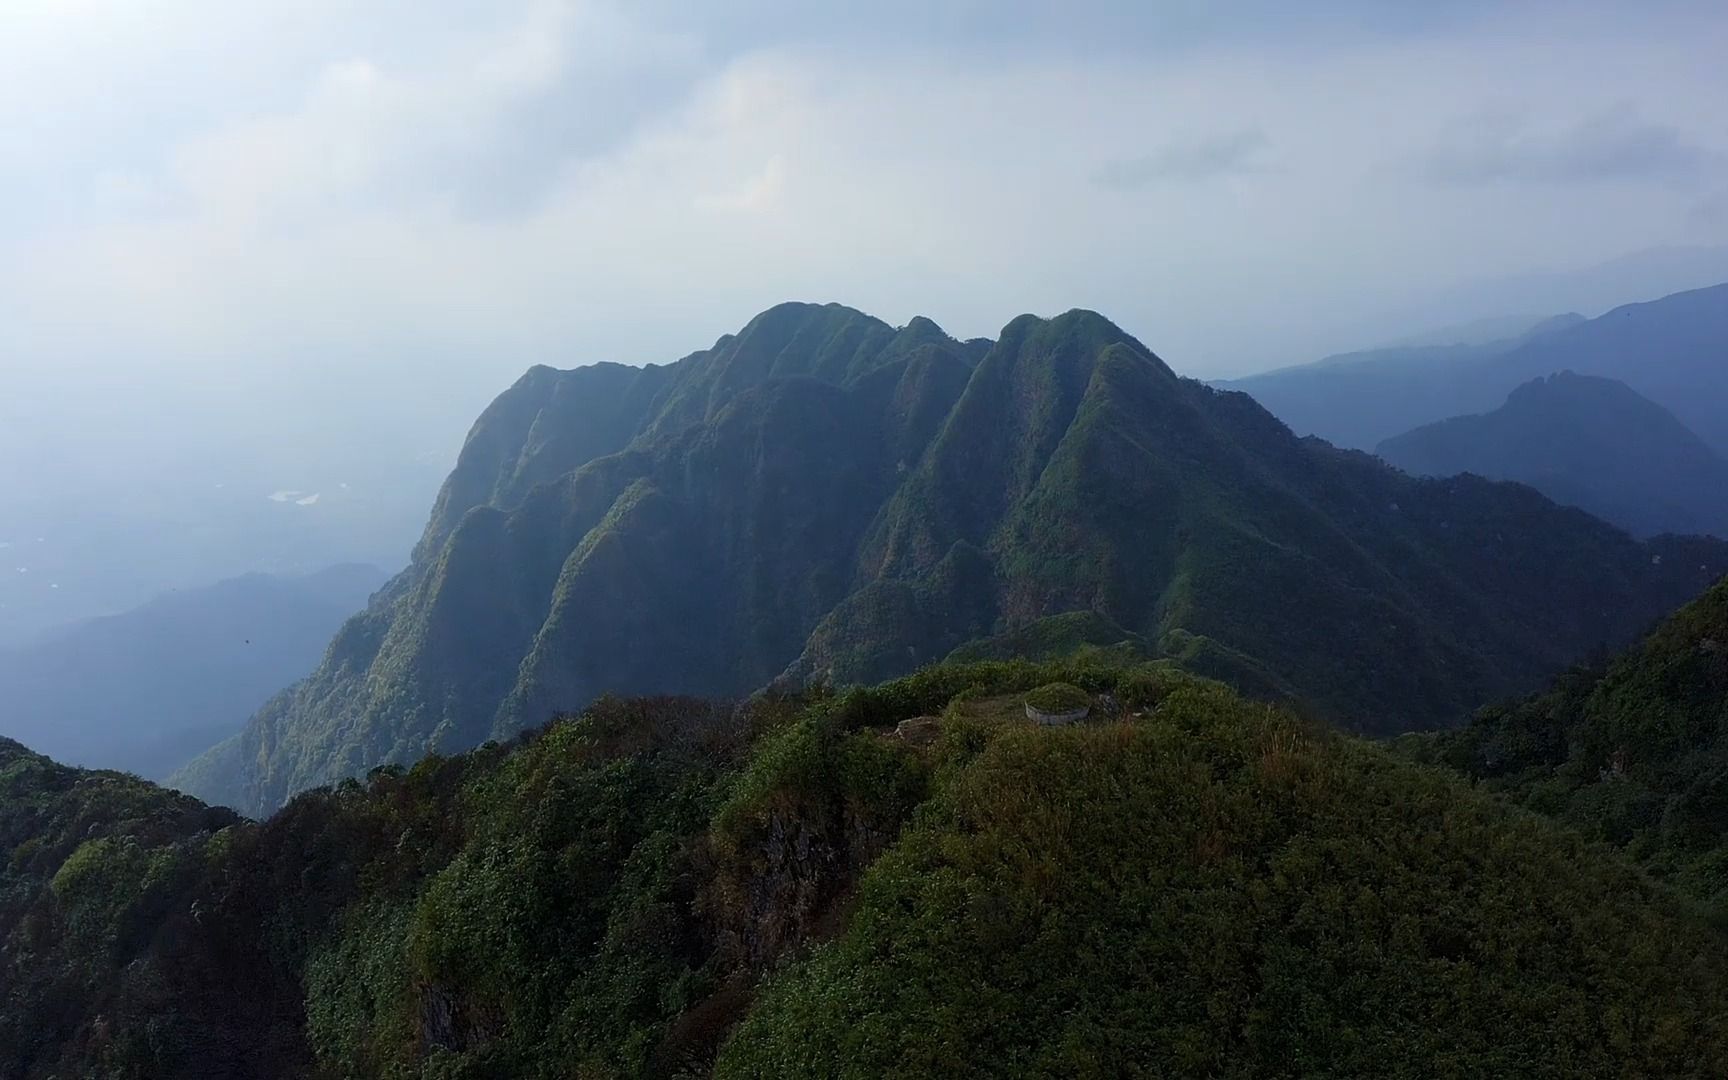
(825, 497)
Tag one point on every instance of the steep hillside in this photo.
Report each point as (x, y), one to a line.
(890, 882)
(149, 689)
(1588, 442)
(825, 498)
(96, 872)
(1633, 751)
(1673, 351)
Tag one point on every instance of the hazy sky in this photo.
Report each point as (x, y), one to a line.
(352, 208)
(198, 182)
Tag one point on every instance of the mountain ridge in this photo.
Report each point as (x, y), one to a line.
(823, 497)
(1673, 350)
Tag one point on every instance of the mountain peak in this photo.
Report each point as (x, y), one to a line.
(1080, 333)
(1570, 386)
(823, 495)
(789, 315)
(1587, 441)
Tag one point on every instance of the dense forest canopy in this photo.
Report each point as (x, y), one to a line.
(1187, 883)
(1632, 752)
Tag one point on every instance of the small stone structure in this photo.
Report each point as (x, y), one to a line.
(1039, 716)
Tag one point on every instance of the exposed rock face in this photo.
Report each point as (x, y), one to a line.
(919, 730)
(790, 886)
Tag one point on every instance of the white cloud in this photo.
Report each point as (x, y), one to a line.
(760, 192)
(337, 210)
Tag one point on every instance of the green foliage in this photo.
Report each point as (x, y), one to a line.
(93, 866)
(1221, 891)
(109, 882)
(1633, 752)
(359, 992)
(1210, 888)
(1147, 685)
(1053, 638)
(1058, 697)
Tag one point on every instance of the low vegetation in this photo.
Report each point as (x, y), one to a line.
(1632, 752)
(1194, 885)
(1058, 697)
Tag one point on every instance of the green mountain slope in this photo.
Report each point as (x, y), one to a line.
(824, 498)
(96, 869)
(813, 887)
(1633, 752)
(1588, 442)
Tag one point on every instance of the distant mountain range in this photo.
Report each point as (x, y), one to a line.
(82, 545)
(1593, 289)
(147, 690)
(1583, 441)
(823, 497)
(1673, 351)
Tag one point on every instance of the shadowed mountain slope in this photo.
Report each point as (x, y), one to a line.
(822, 497)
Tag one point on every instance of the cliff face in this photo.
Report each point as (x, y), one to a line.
(825, 498)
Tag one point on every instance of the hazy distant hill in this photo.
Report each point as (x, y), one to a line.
(147, 690)
(826, 497)
(1358, 399)
(1673, 351)
(1475, 332)
(1588, 442)
(1660, 271)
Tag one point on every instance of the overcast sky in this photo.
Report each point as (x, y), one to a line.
(204, 201)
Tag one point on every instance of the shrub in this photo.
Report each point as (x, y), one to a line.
(1059, 697)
